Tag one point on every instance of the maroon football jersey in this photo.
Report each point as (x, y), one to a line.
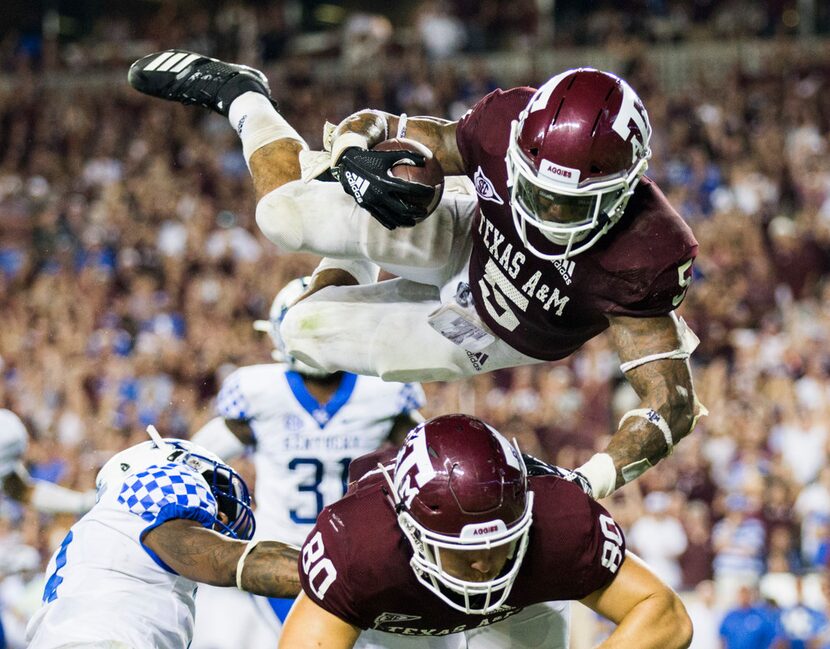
(548, 309)
(355, 561)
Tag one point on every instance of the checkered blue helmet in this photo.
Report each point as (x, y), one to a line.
(228, 488)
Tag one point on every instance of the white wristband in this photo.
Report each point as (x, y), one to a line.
(240, 565)
(601, 475)
(345, 141)
(652, 417)
(402, 125)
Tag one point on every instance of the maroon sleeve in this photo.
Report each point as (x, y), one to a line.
(485, 129)
(651, 258)
(577, 548)
(323, 568)
(604, 550)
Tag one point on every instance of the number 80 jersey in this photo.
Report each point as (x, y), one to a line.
(303, 448)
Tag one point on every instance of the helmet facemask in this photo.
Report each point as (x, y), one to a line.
(470, 597)
(231, 494)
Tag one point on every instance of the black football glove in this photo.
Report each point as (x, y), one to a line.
(392, 201)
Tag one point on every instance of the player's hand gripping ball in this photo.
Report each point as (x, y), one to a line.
(399, 181)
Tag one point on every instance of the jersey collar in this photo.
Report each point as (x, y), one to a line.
(321, 413)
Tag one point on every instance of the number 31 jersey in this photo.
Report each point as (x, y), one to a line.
(303, 448)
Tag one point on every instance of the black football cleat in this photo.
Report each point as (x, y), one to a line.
(189, 78)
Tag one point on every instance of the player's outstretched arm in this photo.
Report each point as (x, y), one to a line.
(225, 437)
(208, 557)
(654, 354)
(45, 496)
(648, 614)
(309, 626)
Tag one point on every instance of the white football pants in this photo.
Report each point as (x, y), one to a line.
(379, 329)
(541, 626)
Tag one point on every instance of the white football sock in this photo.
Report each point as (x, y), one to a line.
(257, 123)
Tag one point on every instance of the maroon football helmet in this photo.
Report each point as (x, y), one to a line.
(459, 484)
(575, 155)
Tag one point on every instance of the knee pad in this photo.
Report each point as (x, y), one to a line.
(298, 333)
(279, 217)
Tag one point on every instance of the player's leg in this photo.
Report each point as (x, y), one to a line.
(383, 330)
(270, 145)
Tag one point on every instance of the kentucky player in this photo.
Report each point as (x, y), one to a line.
(467, 551)
(305, 426)
(568, 238)
(16, 482)
(169, 514)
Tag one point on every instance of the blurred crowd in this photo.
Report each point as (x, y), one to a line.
(131, 270)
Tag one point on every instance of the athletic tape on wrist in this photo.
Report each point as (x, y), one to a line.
(601, 474)
(652, 417)
(688, 343)
(240, 565)
(345, 141)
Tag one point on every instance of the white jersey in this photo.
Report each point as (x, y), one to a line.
(104, 586)
(303, 448)
(13, 441)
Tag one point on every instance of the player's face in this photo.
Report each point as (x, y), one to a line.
(223, 518)
(475, 565)
(555, 208)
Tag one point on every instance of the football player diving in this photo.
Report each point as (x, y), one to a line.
(563, 238)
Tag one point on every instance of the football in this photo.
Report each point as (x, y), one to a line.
(431, 174)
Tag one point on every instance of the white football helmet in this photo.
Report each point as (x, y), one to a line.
(285, 298)
(228, 488)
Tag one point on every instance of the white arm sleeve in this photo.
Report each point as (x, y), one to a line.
(50, 498)
(215, 436)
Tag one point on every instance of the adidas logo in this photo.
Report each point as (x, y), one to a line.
(241, 121)
(358, 184)
(566, 269)
(171, 62)
(477, 359)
